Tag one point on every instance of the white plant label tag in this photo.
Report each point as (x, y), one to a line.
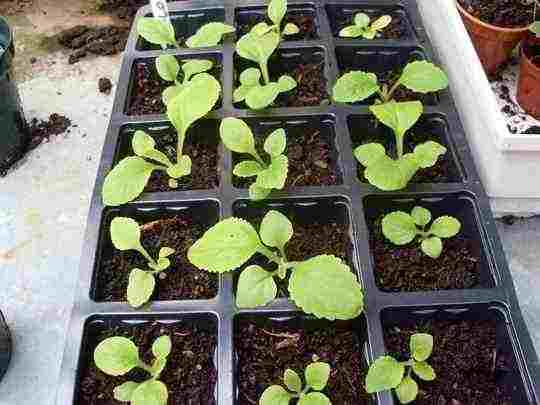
(160, 10)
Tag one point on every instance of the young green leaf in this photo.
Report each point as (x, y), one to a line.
(195, 66)
(277, 10)
(352, 31)
(165, 252)
(261, 28)
(144, 146)
(331, 278)
(292, 380)
(421, 346)
(275, 175)
(209, 35)
(384, 374)
(355, 86)
(445, 227)
(141, 285)
(124, 392)
(275, 395)
(381, 23)
(423, 370)
(256, 287)
(290, 29)
(262, 96)
(399, 227)
(225, 246)
(171, 92)
(398, 116)
(257, 48)
(162, 346)
(427, 153)
(151, 392)
(407, 390)
(314, 398)
(257, 193)
(432, 247)
(276, 229)
(421, 216)
(156, 31)
(388, 174)
(369, 153)
(167, 67)
(535, 28)
(423, 77)
(317, 375)
(286, 83)
(237, 136)
(247, 168)
(126, 180)
(361, 20)
(180, 169)
(116, 356)
(125, 234)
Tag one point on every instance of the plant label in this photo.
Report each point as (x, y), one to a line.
(160, 10)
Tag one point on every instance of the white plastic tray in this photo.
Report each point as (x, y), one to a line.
(508, 164)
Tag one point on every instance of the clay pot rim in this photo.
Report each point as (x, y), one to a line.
(487, 25)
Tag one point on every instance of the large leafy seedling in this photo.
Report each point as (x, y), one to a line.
(257, 46)
(126, 181)
(386, 373)
(402, 228)
(316, 377)
(126, 235)
(237, 137)
(322, 285)
(118, 355)
(169, 69)
(383, 171)
(159, 32)
(364, 27)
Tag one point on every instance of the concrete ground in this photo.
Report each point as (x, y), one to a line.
(44, 203)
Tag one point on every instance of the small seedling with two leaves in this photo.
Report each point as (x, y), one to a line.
(364, 27)
(401, 228)
(257, 46)
(126, 235)
(169, 69)
(386, 373)
(322, 285)
(383, 171)
(159, 32)
(316, 377)
(118, 355)
(126, 181)
(237, 137)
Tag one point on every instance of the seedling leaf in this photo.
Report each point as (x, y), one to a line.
(361, 20)
(116, 356)
(292, 380)
(161, 348)
(250, 77)
(407, 390)
(276, 229)
(286, 83)
(195, 66)
(141, 285)
(165, 252)
(388, 174)
(381, 23)
(384, 374)
(290, 29)
(237, 136)
(399, 227)
(126, 180)
(317, 375)
(261, 28)
(275, 395)
(262, 96)
(256, 287)
(167, 67)
(257, 193)
(369, 153)
(275, 175)
(225, 246)
(277, 10)
(171, 92)
(209, 35)
(257, 48)
(423, 77)
(314, 398)
(339, 296)
(421, 346)
(445, 227)
(247, 168)
(180, 169)
(535, 28)
(355, 86)
(423, 370)
(151, 392)
(421, 216)
(398, 116)
(125, 391)
(432, 247)
(144, 146)
(275, 143)
(427, 153)
(156, 31)
(125, 234)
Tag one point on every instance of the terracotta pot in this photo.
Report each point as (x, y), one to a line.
(493, 44)
(528, 92)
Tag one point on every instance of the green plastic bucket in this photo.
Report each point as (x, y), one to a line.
(14, 134)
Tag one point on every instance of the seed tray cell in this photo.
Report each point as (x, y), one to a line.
(348, 202)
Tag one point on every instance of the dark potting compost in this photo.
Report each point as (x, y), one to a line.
(502, 13)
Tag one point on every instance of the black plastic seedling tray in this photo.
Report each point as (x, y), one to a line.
(349, 202)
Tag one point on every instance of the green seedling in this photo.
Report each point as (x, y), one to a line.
(126, 181)
(126, 235)
(365, 28)
(383, 171)
(386, 373)
(401, 228)
(159, 32)
(118, 355)
(237, 137)
(257, 46)
(316, 377)
(169, 69)
(322, 285)
(535, 28)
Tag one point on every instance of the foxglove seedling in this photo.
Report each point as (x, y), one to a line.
(118, 355)
(168, 69)
(402, 228)
(237, 137)
(126, 181)
(159, 32)
(276, 13)
(387, 373)
(322, 285)
(382, 170)
(365, 28)
(316, 377)
(126, 235)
